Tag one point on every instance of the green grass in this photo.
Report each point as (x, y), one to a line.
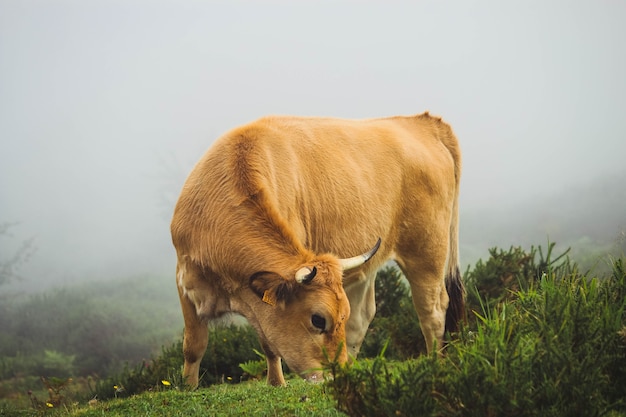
(299, 398)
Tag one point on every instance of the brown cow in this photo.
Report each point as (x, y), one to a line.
(267, 213)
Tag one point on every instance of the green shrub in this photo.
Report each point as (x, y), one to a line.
(228, 347)
(505, 272)
(556, 348)
(255, 370)
(56, 389)
(489, 283)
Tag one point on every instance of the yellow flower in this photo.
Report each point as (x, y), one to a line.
(115, 387)
(166, 383)
(50, 405)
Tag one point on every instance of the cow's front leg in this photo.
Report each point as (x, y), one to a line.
(274, 367)
(194, 344)
(361, 293)
(195, 336)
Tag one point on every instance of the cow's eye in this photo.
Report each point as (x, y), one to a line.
(319, 322)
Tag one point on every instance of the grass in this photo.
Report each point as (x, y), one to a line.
(299, 398)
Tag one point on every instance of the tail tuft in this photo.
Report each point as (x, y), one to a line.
(456, 307)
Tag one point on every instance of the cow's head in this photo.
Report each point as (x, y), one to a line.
(303, 317)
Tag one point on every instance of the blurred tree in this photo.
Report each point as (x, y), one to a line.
(10, 265)
(171, 177)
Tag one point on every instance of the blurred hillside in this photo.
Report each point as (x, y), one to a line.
(590, 218)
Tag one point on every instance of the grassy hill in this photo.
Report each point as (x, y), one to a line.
(299, 398)
(549, 342)
(541, 339)
(86, 330)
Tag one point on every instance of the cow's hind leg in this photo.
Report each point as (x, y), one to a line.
(431, 303)
(196, 331)
(428, 290)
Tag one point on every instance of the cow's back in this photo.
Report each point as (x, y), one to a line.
(342, 183)
(335, 184)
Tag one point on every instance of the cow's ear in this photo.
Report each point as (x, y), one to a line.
(271, 287)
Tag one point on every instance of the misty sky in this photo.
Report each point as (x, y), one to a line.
(106, 105)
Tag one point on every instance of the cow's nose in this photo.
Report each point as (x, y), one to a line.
(315, 377)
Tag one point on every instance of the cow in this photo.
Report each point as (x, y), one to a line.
(272, 219)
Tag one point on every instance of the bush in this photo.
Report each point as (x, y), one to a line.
(395, 328)
(556, 348)
(228, 347)
(396, 325)
(507, 272)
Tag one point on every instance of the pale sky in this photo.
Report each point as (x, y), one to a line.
(106, 105)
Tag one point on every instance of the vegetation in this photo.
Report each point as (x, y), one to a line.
(94, 328)
(554, 346)
(541, 339)
(9, 266)
(506, 273)
(229, 348)
(395, 330)
(299, 398)
(88, 332)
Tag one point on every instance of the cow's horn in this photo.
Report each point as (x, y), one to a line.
(305, 275)
(356, 261)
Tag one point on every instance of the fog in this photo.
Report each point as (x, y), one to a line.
(106, 105)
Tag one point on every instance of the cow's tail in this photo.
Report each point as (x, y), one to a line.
(454, 282)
